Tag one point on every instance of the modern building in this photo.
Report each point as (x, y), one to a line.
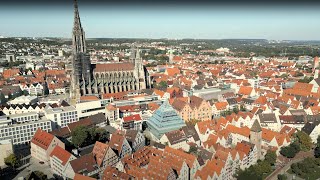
(20, 128)
(62, 116)
(163, 120)
(133, 122)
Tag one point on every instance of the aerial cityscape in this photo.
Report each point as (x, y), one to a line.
(170, 107)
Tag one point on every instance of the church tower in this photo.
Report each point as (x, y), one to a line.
(171, 56)
(139, 70)
(256, 136)
(81, 72)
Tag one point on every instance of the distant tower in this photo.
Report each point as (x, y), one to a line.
(171, 56)
(256, 136)
(139, 70)
(81, 74)
(132, 55)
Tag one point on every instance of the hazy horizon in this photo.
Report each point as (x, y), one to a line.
(163, 21)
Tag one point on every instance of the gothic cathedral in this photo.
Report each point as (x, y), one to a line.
(103, 78)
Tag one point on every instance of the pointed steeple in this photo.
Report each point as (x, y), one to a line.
(256, 126)
(78, 33)
(76, 22)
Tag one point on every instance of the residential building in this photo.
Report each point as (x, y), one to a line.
(42, 145)
(136, 139)
(59, 159)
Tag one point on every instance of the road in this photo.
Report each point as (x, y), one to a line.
(281, 170)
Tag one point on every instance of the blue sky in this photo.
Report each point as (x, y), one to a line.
(207, 22)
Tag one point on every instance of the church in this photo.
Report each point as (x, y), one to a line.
(102, 78)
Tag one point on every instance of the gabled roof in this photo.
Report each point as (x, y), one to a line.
(309, 127)
(82, 177)
(42, 139)
(61, 154)
(135, 117)
(113, 173)
(99, 151)
(116, 142)
(268, 118)
(84, 164)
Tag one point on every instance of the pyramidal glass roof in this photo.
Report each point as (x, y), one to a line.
(164, 119)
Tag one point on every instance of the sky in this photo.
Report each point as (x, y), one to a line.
(163, 19)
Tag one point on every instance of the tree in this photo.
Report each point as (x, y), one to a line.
(284, 76)
(291, 150)
(37, 175)
(246, 174)
(271, 157)
(235, 110)
(318, 141)
(304, 140)
(11, 161)
(101, 135)
(193, 149)
(317, 152)
(317, 149)
(79, 136)
(298, 74)
(163, 84)
(242, 108)
(262, 167)
(282, 177)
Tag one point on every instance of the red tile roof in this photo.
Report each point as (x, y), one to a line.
(114, 67)
(99, 151)
(82, 177)
(61, 154)
(135, 117)
(42, 139)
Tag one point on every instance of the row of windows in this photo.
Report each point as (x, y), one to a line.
(25, 127)
(68, 113)
(26, 118)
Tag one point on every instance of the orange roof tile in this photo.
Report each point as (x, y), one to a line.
(61, 154)
(42, 139)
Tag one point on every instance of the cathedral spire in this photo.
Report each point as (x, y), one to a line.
(76, 22)
(78, 33)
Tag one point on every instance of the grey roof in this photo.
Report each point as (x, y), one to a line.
(204, 154)
(232, 101)
(247, 100)
(190, 131)
(109, 129)
(256, 126)
(131, 135)
(176, 136)
(317, 81)
(98, 118)
(309, 127)
(299, 112)
(267, 118)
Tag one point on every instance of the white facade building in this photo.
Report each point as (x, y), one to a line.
(62, 116)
